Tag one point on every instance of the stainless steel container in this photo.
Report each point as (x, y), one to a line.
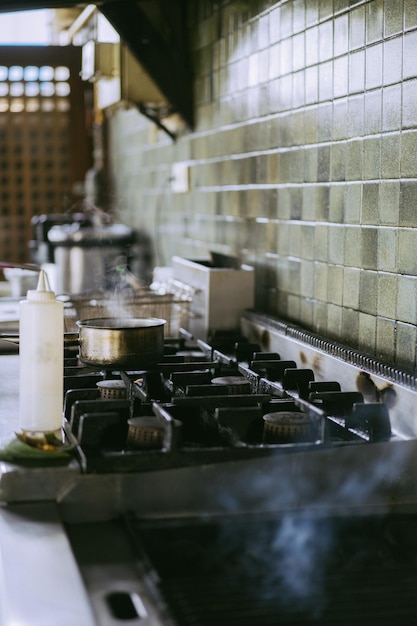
(85, 257)
(222, 291)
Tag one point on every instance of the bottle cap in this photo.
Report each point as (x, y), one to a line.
(43, 292)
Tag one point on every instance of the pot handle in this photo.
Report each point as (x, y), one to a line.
(70, 339)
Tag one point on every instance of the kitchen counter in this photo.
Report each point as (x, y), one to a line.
(38, 572)
(9, 368)
(40, 583)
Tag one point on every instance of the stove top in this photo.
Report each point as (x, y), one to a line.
(225, 399)
(269, 435)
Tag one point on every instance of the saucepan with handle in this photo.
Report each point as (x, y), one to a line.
(115, 343)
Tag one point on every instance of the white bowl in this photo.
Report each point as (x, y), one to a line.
(20, 280)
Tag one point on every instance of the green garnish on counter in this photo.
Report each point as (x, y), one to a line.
(36, 451)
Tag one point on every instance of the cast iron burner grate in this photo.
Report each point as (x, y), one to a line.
(292, 571)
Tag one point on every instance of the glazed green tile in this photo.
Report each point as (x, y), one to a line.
(385, 339)
(294, 281)
(320, 317)
(325, 40)
(293, 307)
(410, 13)
(283, 239)
(391, 108)
(322, 203)
(340, 76)
(389, 202)
(367, 333)
(295, 240)
(350, 327)
(370, 203)
(325, 114)
(321, 271)
(307, 313)
(393, 17)
(357, 27)
(407, 299)
(321, 240)
(323, 163)
(356, 72)
(311, 125)
(393, 60)
(338, 153)
(390, 156)
(356, 109)
(307, 241)
(409, 108)
(409, 154)
(407, 246)
(334, 322)
(406, 336)
(368, 292)
(335, 284)
(373, 112)
(374, 20)
(284, 203)
(310, 164)
(369, 247)
(336, 245)
(373, 69)
(340, 119)
(408, 203)
(341, 34)
(272, 167)
(354, 160)
(296, 194)
(337, 203)
(309, 202)
(312, 13)
(353, 246)
(387, 295)
(371, 158)
(307, 280)
(296, 164)
(387, 249)
(351, 280)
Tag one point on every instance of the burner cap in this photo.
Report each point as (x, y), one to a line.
(289, 427)
(234, 384)
(112, 389)
(145, 432)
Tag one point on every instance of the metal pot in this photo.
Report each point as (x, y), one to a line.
(85, 256)
(125, 343)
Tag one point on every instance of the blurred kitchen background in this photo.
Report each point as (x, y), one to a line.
(279, 133)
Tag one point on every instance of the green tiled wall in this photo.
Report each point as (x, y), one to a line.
(302, 162)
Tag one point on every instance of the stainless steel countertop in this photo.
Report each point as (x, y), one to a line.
(9, 396)
(40, 583)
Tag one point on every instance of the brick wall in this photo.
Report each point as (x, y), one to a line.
(302, 161)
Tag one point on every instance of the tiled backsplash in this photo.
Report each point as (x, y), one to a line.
(303, 161)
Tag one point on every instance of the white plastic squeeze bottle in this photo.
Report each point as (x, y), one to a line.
(41, 359)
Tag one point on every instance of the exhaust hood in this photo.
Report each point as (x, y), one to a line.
(153, 33)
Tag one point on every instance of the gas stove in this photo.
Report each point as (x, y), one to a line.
(225, 399)
(259, 476)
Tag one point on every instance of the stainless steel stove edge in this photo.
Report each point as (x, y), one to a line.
(330, 360)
